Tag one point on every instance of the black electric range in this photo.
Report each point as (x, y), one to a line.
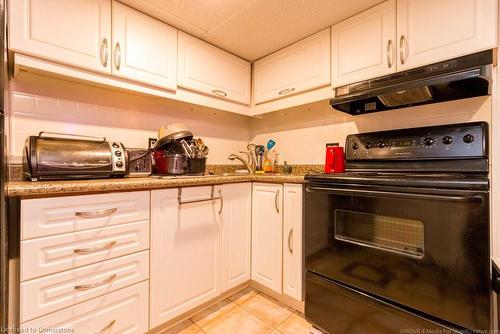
(401, 240)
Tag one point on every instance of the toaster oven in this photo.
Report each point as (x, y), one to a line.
(57, 156)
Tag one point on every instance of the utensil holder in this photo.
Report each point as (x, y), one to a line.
(197, 165)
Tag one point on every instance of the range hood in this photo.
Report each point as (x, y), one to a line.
(453, 79)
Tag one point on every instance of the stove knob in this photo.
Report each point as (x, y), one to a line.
(115, 145)
(381, 144)
(428, 141)
(118, 153)
(355, 146)
(447, 140)
(369, 145)
(119, 164)
(468, 139)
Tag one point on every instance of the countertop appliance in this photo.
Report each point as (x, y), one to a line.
(57, 156)
(401, 240)
(453, 79)
(334, 158)
(139, 162)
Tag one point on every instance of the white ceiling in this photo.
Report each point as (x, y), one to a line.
(251, 29)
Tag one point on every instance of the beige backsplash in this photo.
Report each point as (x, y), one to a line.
(41, 103)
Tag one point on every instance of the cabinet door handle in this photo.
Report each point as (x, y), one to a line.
(104, 52)
(96, 214)
(276, 201)
(108, 326)
(403, 49)
(221, 202)
(290, 245)
(83, 251)
(118, 56)
(84, 287)
(219, 92)
(286, 91)
(390, 53)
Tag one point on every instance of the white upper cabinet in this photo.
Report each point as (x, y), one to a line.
(76, 32)
(209, 70)
(267, 233)
(430, 31)
(301, 67)
(185, 258)
(364, 45)
(293, 265)
(236, 234)
(144, 49)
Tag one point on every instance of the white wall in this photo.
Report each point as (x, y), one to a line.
(302, 132)
(40, 103)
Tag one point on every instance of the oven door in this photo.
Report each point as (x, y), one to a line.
(427, 252)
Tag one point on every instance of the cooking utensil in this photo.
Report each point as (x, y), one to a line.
(259, 154)
(169, 163)
(204, 151)
(164, 142)
(187, 148)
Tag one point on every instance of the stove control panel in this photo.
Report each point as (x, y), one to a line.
(457, 141)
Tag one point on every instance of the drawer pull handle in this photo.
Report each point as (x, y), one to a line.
(83, 251)
(286, 91)
(211, 199)
(403, 49)
(290, 245)
(84, 287)
(108, 326)
(118, 56)
(104, 52)
(276, 204)
(96, 214)
(219, 92)
(221, 202)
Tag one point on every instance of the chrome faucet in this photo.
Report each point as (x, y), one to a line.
(249, 163)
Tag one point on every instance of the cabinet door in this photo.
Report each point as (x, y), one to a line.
(430, 31)
(76, 33)
(236, 234)
(209, 70)
(144, 49)
(267, 235)
(364, 46)
(293, 268)
(185, 252)
(300, 67)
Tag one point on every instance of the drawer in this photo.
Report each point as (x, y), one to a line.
(57, 215)
(51, 293)
(48, 255)
(122, 311)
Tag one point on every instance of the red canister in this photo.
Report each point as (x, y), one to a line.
(335, 160)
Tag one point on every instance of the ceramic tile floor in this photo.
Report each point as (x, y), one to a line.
(246, 312)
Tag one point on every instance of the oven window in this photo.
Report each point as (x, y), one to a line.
(399, 235)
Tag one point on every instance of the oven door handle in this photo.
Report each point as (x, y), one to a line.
(373, 193)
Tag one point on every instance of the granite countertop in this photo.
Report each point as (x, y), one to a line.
(59, 188)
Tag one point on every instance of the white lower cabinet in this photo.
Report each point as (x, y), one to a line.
(185, 251)
(236, 234)
(89, 279)
(277, 238)
(54, 292)
(122, 311)
(293, 266)
(267, 233)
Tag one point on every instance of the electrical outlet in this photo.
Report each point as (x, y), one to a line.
(152, 142)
